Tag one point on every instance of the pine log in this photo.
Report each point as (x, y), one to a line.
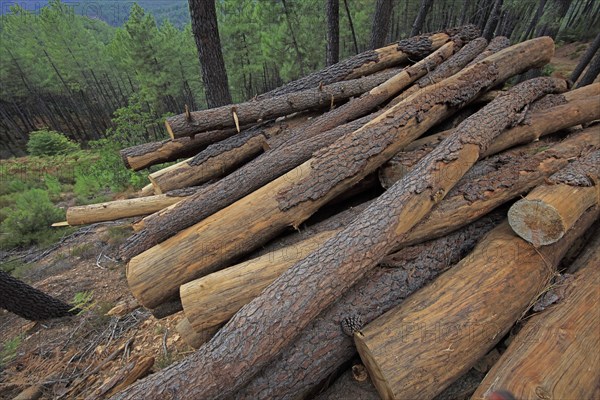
(117, 209)
(286, 155)
(134, 370)
(147, 190)
(148, 154)
(372, 61)
(257, 110)
(551, 209)
(292, 198)
(446, 327)
(577, 110)
(194, 338)
(258, 332)
(496, 44)
(326, 343)
(448, 68)
(552, 356)
(215, 298)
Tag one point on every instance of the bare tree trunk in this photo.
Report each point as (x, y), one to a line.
(206, 33)
(381, 23)
(585, 60)
(490, 25)
(592, 71)
(535, 20)
(354, 41)
(288, 18)
(333, 32)
(420, 20)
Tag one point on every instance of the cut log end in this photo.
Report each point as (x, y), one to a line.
(376, 374)
(537, 222)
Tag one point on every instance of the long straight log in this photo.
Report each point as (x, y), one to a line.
(551, 209)
(575, 111)
(371, 61)
(258, 332)
(540, 361)
(292, 198)
(224, 117)
(496, 44)
(213, 299)
(285, 156)
(447, 326)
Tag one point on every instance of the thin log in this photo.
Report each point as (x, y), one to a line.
(292, 198)
(450, 324)
(551, 209)
(540, 360)
(372, 61)
(258, 332)
(496, 44)
(183, 125)
(147, 190)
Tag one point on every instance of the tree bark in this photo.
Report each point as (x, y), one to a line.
(206, 33)
(28, 302)
(256, 110)
(534, 21)
(381, 23)
(550, 210)
(490, 25)
(452, 323)
(371, 61)
(592, 71)
(333, 32)
(354, 41)
(194, 338)
(421, 15)
(585, 59)
(256, 334)
(496, 44)
(539, 361)
(292, 198)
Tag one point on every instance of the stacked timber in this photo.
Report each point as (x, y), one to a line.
(338, 216)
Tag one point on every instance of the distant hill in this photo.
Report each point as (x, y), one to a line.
(115, 12)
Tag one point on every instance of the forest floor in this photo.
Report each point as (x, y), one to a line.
(71, 357)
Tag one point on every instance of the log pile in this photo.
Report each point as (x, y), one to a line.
(306, 216)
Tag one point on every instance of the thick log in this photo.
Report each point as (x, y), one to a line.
(372, 61)
(213, 299)
(576, 110)
(148, 154)
(117, 209)
(447, 326)
(193, 337)
(256, 334)
(551, 209)
(257, 110)
(496, 44)
(292, 198)
(540, 360)
(326, 343)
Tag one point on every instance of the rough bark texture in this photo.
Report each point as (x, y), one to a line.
(333, 32)
(467, 310)
(585, 59)
(381, 23)
(420, 19)
(206, 33)
(256, 334)
(148, 154)
(550, 210)
(29, 302)
(540, 360)
(257, 110)
(372, 61)
(323, 347)
(496, 44)
(592, 71)
(490, 25)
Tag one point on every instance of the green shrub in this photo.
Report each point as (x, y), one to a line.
(9, 350)
(29, 219)
(49, 143)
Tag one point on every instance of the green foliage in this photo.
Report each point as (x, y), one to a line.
(29, 220)
(83, 301)
(9, 350)
(16, 268)
(49, 143)
(548, 70)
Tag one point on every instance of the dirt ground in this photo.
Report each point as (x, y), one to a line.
(72, 357)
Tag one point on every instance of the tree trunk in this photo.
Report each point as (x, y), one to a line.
(354, 41)
(452, 323)
(371, 61)
(490, 25)
(272, 164)
(29, 302)
(585, 59)
(550, 210)
(333, 32)
(256, 334)
(206, 33)
(534, 21)
(421, 15)
(592, 72)
(539, 360)
(381, 23)
(188, 124)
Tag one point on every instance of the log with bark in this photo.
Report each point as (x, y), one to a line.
(213, 299)
(194, 338)
(258, 332)
(551, 209)
(446, 327)
(552, 356)
(189, 124)
(571, 109)
(131, 372)
(292, 198)
(371, 61)
(496, 44)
